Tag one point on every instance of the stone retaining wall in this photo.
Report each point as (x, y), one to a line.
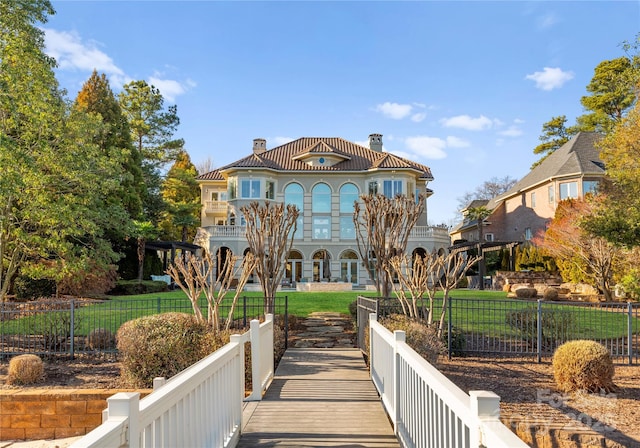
(37, 414)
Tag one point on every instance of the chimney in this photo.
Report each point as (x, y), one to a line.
(375, 142)
(259, 145)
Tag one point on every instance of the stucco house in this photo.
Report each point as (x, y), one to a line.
(322, 177)
(572, 171)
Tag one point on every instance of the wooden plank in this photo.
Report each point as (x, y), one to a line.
(319, 398)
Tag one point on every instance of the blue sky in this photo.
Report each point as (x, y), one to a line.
(463, 87)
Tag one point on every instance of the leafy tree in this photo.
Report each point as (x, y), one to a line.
(54, 178)
(383, 226)
(479, 214)
(613, 91)
(152, 129)
(555, 133)
(96, 97)
(181, 193)
(142, 231)
(580, 256)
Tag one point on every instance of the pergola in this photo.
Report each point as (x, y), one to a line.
(171, 247)
(489, 246)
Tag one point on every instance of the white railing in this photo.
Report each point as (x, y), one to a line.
(201, 406)
(423, 232)
(226, 231)
(426, 408)
(216, 206)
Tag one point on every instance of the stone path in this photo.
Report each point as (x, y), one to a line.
(325, 330)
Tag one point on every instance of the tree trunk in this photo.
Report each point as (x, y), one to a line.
(141, 246)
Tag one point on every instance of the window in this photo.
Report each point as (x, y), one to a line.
(271, 187)
(231, 187)
(568, 190)
(347, 228)
(294, 195)
(552, 194)
(250, 189)
(373, 188)
(527, 233)
(321, 199)
(321, 228)
(488, 237)
(348, 195)
(589, 186)
(391, 188)
(533, 200)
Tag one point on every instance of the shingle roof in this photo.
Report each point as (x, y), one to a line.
(356, 158)
(579, 156)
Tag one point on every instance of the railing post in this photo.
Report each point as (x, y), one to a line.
(126, 404)
(484, 405)
(539, 332)
(237, 339)
(158, 382)
(630, 331)
(398, 337)
(286, 322)
(256, 383)
(373, 317)
(72, 329)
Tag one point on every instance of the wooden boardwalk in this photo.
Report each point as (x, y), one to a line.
(318, 398)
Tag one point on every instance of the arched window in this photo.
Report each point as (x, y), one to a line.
(294, 195)
(349, 267)
(293, 268)
(322, 266)
(348, 195)
(321, 199)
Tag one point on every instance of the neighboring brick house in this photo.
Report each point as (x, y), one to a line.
(322, 177)
(571, 171)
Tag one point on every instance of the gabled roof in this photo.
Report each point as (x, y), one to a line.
(578, 157)
(355, 158)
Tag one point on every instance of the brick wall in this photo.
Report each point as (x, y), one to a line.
(52, 413)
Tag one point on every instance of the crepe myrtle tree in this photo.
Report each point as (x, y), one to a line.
(383, 226)
(269, 231)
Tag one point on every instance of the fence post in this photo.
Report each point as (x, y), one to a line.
(373, 317)
(126, 404)
(256, 383)
(237, 339)
(72, 329)
(450, 328)
(158, 382)
(484, 405)
(286, 322)
(539, 328)
(398, 337)
(158, 305)
(630, 331)
(244, 311)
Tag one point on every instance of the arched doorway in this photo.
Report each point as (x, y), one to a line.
(222, 255)
(293, 267)
(252, 278)
(321, 266)
(349, 267)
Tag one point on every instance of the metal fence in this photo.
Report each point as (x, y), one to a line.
(528, 328)
(88, 327)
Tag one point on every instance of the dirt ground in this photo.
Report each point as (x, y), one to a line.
(528, 395)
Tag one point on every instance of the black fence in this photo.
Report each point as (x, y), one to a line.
(526, 328)
(88, 327)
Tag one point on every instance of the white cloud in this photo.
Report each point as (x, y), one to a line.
(72, 53)
(428, 147)
(456, 142)
(512, 131)
(550, 78)
(417, 118)
(518, 121)
(394, 110)
(469, 123)
(278, 141)
(547, 21)
(170, 88)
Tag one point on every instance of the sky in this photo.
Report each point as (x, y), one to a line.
(463, 87)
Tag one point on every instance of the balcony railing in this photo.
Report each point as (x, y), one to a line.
(215, 206)
(422, 232)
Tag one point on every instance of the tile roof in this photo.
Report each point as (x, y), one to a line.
(356, 158)
(578, 157)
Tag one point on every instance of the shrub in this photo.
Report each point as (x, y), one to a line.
(583, 365)
(25, 369)
(458, 341)
(163, 345)
(556, 325)
(420, 337)
(33, 288)
(353, 309)
(526, 293)
(132, 287)
(100, 338)
(550, 294)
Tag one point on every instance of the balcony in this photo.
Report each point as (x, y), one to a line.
(428, 232)
(226, 231)
(215, 207)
